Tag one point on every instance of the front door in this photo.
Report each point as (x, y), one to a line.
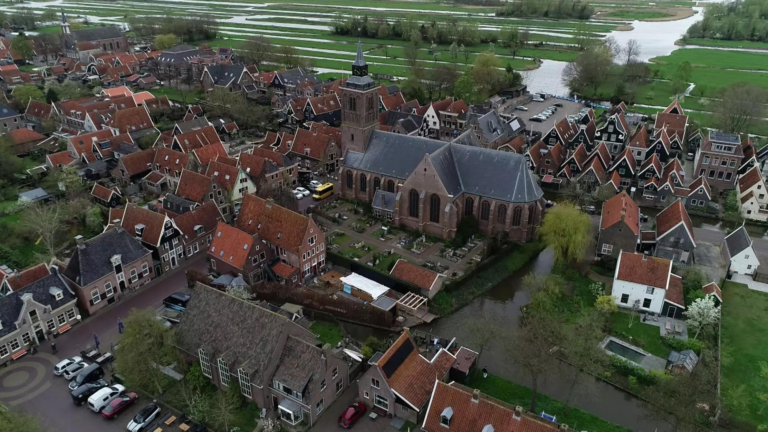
(671, 311)
(39, 333)
(275, 402)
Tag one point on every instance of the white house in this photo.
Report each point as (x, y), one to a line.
(648, 284)
(753, 197)
(738, 252)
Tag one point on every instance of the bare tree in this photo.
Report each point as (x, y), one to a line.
(483, 331)
(258, 49)
(589, 70)
(45, 221)
(742, 105)
(632, 51)
(582, 351)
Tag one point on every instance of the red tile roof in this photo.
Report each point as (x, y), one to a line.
(323, 128)
(626, 155)
(469, 416)
(273, 223)
(640, 138)
(597, 167)
(566, 130)
(516, 144)
(284, 270)
(701, 182)
(231, 245)
(101, 192)
(62, 158)
(154, 223)
(197, 138)
(83, 144)
(325, 104)
(749, 179)
(415, 377)
(675, 105)
(193, 186)
(132, 120)
(206, 216)
(223, 174)
(672, 216)
(621, 208)
(393, 101)
(457, 107)
(205, 155)
(675, 124)
(154, 177)
(644, 270)
(24, 135)
(674, 292)
(652, 162)
(419, 276)
(171, 159)
(139, 162)
(536, 152)
(38, 109)
(603, 153)
(28, 276)
(310, 144)
(712, 289)
(580, 155)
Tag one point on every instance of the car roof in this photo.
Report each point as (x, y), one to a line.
(180, 296)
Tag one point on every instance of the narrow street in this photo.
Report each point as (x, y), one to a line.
(29, 384)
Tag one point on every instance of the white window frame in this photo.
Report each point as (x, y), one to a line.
(377, 398)
(205, 364)
(366, 395)
(71, 314)
(134, 275)
(607, 249)
(144, 269)
(11, 343)
(50, 325)
(339, 385)
(375, 383)
(61, 319)
(4, 350)
(109, 291)
(97, 299)
(245, 383)
(223, 372)
(26, 338)
(320, 406)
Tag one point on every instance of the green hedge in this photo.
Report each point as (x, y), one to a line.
(681, 345)
(628, 369)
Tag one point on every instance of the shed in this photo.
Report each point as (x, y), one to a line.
(34, 195)
(465, 361)
(362, 287)
(683, 361)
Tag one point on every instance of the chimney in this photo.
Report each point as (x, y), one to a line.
(270, 203)
(475, 395)
(518, 413)
(80, 241)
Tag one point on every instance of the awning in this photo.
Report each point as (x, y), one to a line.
(19, 354)
(64, 329)
(289, 405)
(547, 179)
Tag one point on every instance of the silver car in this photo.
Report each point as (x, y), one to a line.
(62, 365)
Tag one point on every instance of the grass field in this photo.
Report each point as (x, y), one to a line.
(636, 14)
(718, 59)
(642, 335)
(727, 43)
(744, 346)
(328, 333)
(517, 395)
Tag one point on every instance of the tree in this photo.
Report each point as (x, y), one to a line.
(631, 51)
(165, 41)
(19, 422)
(566, 229)
(226, 404)
(26, 92)
(606, 305)
(483, 330)
(487, 75)
(51, 96)
(582, 351)
(66, 180)
(683, 72)
(145, 347)
(258, 50)
(702, 314)
(411, 54)
(415, 37)
(48, 16)
(742, 105)
(22, 46)
(383, 32)
(148, 140)
(590, 69)
(44, 221)
(445, 76)
(465, 52)
(453, 50)
(10, 164)
(288, 56)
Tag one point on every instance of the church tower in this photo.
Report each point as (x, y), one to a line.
(64, 24)
(359, 106)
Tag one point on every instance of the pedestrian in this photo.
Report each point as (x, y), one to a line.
(53, 347)
(120, 325)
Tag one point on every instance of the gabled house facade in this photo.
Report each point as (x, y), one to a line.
(647, 284)
(619, 226)
(158, 233)
(674, 234)
(753, 197)
(738, 252)
(614, 133)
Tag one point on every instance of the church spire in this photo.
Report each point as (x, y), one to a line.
(359, 66)
(64, 23)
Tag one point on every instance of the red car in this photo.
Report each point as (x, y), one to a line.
(118, 405)
(351, 415)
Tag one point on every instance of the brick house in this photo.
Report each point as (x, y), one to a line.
(619, 226)
(10, 120)
(106, 266)
(323, 109)
(230, 184)
(752, 195)
(268, 168)
(719, 159)
(400, 381)
(158, 233)
(236, 252)
(279, 367)
(674, 234)
(293, 238)
(105, 196)
(135, 166)
(317, 151)
(226, 76)
(197, 227)
(36, 113)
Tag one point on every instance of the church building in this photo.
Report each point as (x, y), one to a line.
(430, 184)
(80, 44)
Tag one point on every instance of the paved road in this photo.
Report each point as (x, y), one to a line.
(30, 385)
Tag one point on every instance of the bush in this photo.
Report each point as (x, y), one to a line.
(694, 345)
(468, 226)
(628, 369)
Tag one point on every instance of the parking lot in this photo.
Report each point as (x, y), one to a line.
(535, 108)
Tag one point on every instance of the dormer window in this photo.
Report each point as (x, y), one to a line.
(445, 417)
(140, 230)
(57, 294)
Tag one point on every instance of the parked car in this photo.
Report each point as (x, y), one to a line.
(118, 405)
(302, 191)
(99, 400)
(81, 394)
(72, 370)
(689, 156)
(177, 301)
(552, 108)
(549, 204)
(589, 209)
(298, 195)
(88, 374)
(60, 366)
(558, 104)
(144, 417)
(521, 108)
(537, 119)
(314, 184)
(643, 218)
(537, 99)
(351, 415)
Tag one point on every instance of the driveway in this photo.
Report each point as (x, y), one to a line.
(708, 259)
(753, 285)
(328, 421)
(535, 108)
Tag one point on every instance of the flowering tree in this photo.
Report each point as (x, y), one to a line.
(702, 314)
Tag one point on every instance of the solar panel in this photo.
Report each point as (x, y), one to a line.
(397, 358)
(724, 137)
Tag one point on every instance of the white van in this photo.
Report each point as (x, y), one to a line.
(103, 397)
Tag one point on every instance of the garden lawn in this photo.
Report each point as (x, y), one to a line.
(176, 95)
(645, 336)
(719, 59)
(744, 346)
(328, 333)
(727, 43)
(517, 395)
(340, 239)
(353, 252)
(387, 261)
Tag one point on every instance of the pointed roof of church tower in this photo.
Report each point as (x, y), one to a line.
(359, 60)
